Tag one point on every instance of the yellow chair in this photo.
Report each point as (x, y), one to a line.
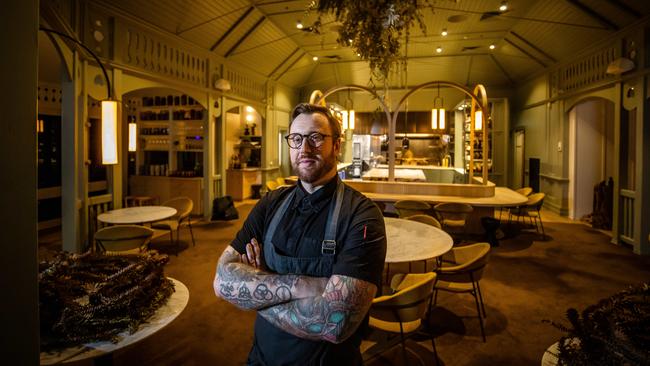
(531, 210)
(526, 191)
(453, 217)
(460, 272)
(280, 181)
(407, 208)
(271, 185)
(426, 219)
(123, 239)
(183, 206)
(402, 312)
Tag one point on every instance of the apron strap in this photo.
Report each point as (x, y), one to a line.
(278, 216)
(328, 246)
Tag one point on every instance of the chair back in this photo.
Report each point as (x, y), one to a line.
(271, 185)
(535, 201)
(526, 191)
(407, 208)
(425, 219)
(280, 181)
(183, 206)
(122, 238)
(453, 213)
(409, 303)
(468, 263)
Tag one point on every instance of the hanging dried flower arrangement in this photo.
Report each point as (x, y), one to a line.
(374, 28)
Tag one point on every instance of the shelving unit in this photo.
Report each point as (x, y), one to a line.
(478, 158)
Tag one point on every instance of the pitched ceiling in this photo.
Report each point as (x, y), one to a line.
(262, 35)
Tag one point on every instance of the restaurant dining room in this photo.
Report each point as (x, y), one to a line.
(326, 182)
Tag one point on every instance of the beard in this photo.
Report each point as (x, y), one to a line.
(315, 168)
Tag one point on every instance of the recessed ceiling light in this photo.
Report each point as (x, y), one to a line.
(358, 54)
(299, 25)
(444, 32)
(439, 49)
(460, 108)
(503, 6)
(315, 58)
(492, 46)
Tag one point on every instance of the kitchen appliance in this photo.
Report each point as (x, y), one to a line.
(357, 163)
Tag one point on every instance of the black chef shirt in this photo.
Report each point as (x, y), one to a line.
(360, 253)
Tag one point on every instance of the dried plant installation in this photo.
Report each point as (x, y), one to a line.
(91, 297)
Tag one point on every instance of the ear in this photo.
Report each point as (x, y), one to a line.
(337, 146)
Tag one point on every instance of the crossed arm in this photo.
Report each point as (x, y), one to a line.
(328, 309)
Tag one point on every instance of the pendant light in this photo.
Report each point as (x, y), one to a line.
(438, 114)
(133, 141)
(109, 107)
(348, 115)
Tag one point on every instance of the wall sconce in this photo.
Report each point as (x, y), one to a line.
(133, 141)
(438, 114)
(478, 120)
(109, 107)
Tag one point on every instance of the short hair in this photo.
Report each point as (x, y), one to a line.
(306, 108)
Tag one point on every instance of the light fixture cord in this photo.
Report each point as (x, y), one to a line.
(108, 81)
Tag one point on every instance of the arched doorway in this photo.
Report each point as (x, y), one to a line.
(591, 152)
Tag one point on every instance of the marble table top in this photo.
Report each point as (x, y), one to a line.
(162, 317)
(409, 175)
(409, 241)
(137, 215)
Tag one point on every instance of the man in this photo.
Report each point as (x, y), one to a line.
(308, 258)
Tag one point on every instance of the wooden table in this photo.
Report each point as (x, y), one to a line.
(410, 241)
(137, 215)
(99, 350)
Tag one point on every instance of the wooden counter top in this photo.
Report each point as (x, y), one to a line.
(503, 197)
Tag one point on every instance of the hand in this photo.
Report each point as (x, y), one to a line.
(253, 256)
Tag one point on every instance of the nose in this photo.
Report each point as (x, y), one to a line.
(306, 146)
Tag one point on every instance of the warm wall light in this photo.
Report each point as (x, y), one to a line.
(133, 141)
(109, 132)
(478, 120)
(351, 121)
(344, 118)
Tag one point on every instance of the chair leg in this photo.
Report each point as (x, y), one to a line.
(189, 223)
(480, 297)
(433, 345)
(401, 334)
(539, 214)
(478, 310)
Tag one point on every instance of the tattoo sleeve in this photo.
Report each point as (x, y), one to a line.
(249, 288)
(332, 316)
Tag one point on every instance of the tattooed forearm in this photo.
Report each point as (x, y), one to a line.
(249, 288)
(332, 316)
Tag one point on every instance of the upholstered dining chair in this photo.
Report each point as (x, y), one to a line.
(525, 191)
(271, 185)
(531, 210)
(403, 311)
(280, 181)
(123, 239)
(460, 272)
(183, 206)
(453, 217)
(406, 208)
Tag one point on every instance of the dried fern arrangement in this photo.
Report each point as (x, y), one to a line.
(374, 28)
(91, 297)
(615, 331)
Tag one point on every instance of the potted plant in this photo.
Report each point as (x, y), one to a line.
(615, 331)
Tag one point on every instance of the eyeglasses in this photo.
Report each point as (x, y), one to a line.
(314, 139)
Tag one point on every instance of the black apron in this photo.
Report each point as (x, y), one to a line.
(310, 266)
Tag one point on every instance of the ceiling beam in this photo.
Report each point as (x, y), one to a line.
(469, 69)
(531, 45)
(243, 38)
(283, 62)
(626, 8)
(503, 70)
(594, 14)
(531, 56)
(290, 66)
(232, 28)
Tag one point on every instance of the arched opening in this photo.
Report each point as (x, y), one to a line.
(591, 152)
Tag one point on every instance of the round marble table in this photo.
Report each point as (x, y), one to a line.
(409, 241)
(162, 317)
(137, 215)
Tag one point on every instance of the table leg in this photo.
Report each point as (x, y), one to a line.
(104, 360)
